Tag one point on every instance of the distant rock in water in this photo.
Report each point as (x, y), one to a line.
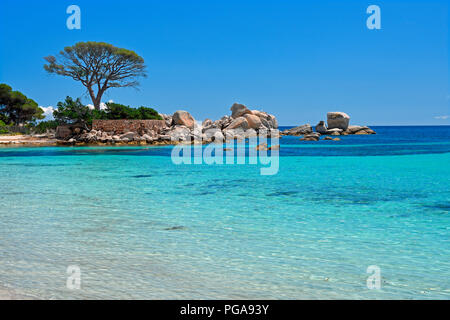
(314, 136)
(175, 228)
(338, 125)
(321, 127)
(334, 132)
(299, 131)
(339, 120)
(360, 130)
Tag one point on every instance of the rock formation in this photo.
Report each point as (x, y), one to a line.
(298, 131)
(183, 118)
(321, 127)
(338, 125)
(339, 120)
(182, 128)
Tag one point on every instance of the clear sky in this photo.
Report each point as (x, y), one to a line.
(295, 59)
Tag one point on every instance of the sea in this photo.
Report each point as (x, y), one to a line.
(366, 217)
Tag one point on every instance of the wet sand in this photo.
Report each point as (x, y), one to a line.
(10, 294)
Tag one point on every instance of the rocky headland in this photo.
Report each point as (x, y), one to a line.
(181, 127)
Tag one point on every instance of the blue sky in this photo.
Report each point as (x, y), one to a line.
(295, 59)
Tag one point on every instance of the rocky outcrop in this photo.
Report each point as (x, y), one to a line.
(338, 125)
(179, 133)
(239, 110)
(314, 136)
(183, 118)
(321, 127)
(167, 118)
(207, 123)
(360, 130)
(239, 123)
(298, 131)
(339, 120)
(334, 132)
(182, 128)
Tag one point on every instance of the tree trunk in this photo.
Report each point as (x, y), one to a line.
(97, 102)
(93, 98)
(98, 99)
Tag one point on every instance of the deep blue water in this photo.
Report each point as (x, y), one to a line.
(139, 226)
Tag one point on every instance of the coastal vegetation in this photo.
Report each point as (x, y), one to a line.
(72, 111)
(16, 108)
(45, 126)
(98, 66)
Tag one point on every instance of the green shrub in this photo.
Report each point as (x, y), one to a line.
(3, 127)
(116, 111)
(73, 111)
(43, 126)
(148, 113)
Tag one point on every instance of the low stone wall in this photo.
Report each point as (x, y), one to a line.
(123, 126)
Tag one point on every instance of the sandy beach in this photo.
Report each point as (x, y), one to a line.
(36, 140)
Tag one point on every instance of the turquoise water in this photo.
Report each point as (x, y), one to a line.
(140, 227)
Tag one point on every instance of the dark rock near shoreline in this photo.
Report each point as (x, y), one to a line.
(314, 136)
(321, 127)
(63, 132)
(67, 131)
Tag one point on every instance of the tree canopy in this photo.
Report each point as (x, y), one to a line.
(98, 66)
(16, 108)
(73, 111)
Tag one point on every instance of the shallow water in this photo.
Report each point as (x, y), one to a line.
(139, 226)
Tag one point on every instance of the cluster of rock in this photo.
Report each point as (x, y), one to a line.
(98, 136)
(182, 127)
(338, 125)
(243, 123)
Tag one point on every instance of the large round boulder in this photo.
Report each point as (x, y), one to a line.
(183, 118)
(253, 121)
(339, 120)
(239, 110)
